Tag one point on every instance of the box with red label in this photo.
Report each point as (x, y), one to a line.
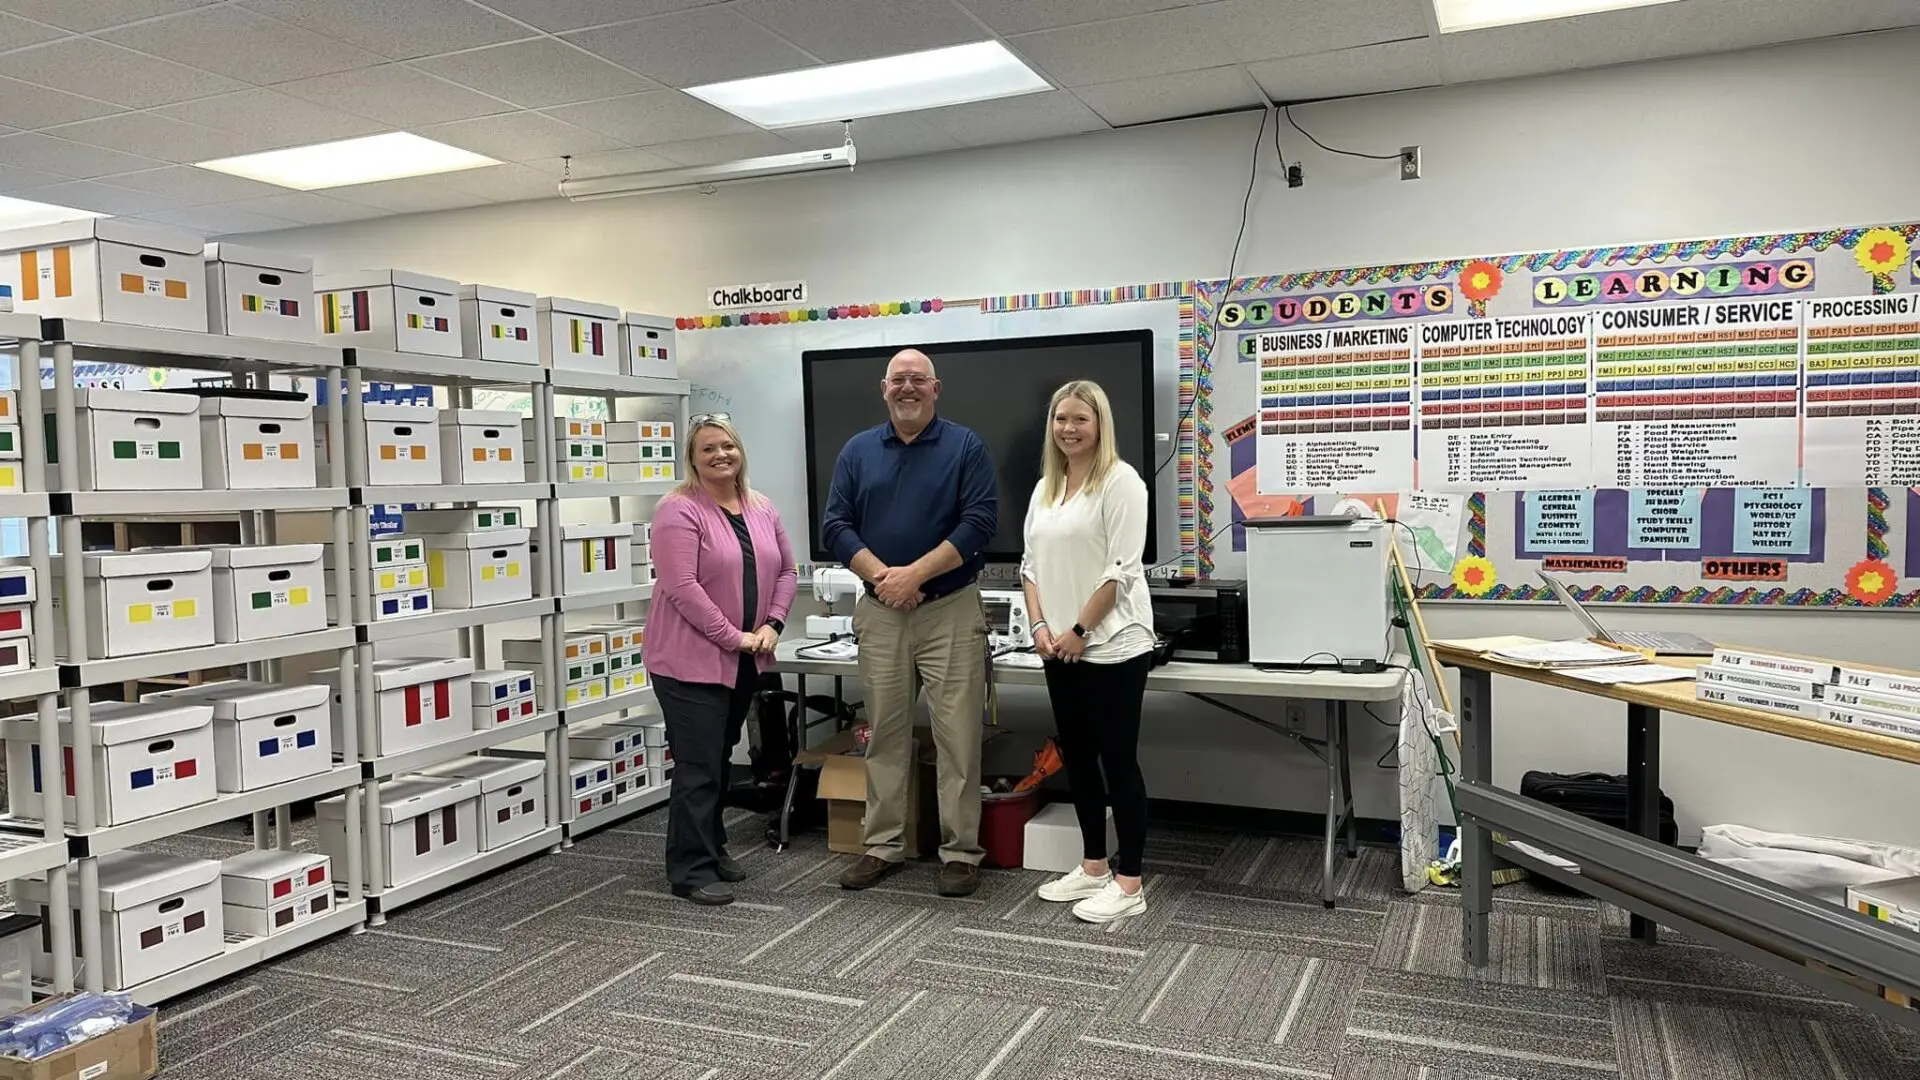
(428, 823)
(279, 917)
(497, 324)
(480, 446)
(251, 441)
(107, 270)
(389, 309)
(418, 702)
(510, 711)
(261, 879)
(158, 914)
(149, 758)
(586, 803)
(133, 440)
(578, 335)
(513, 802)
(260, 294)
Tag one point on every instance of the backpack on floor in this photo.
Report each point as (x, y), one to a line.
(1595, 796)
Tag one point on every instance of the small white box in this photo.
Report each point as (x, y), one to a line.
(580, 451)
(255, 443)
(621, 637)
(577, 645)
(595, 799)
(158, 914)
(626, 682)
(268, 592)
(9, 407)
(628, 431)
(582, 472)
(511, 711)
(282, 916)
(107, 270)
(12, 473)
(480, 446)
(1052, 839)
(398, 550)
(567, 428)
(584, 692)
(403, 444)
(578, 335)
(9, 440)
(513, 802)
(418, 702)
(608, 742)
(584, 776)
(16, 622)
(469, 519)
(142, 602)
(643, 573)
(647, 346)
(389, 309)
(430, 823)
(593, 556)
(135, 440)
(503, 685)
(259, 879)
(401, 577)
(259, 294)
(659, 775)
(476, 569)
(654, 732)
(266, 735)
(152, 757)
(399, 605)
(633, 453)
(498, 324)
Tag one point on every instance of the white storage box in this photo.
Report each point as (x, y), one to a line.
(158, 914)
(389, 309)
(150, 758)
(16, 622)
(134, 440)
(659, 775)
(627, 431)
(480, 446)
(646, 346)
(584, 692)
(608, 742)
(1052, 839)
(470, 519)
(418, 702)
(510, 711)
(577, 645)
(107, 270)
(513, 803)
(265, 735)
(582, 472)
(12, 473)
(626, 682)
(584, 776)
(259, 294)
(268, 592)
(498, 324)
(654, 732)
(654, 470)
(593, 556)
(643, 573)
(259, 879)
(282, 916)
(567, 428)
(400, 605)
(578, 335)
(398, 550)
(254, 443)
(9, 407)
(621, 637)
(476, 569)
(430, 823)
(588, 802)
(142, 602)
(504, 685)
(579, 451)
(633, 453)
(403, 444)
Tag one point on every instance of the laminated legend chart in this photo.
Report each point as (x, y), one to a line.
(1336, 409)
(1863, 391)
(1503, 404)
(1702, 394)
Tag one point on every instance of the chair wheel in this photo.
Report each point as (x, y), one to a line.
(774, 841)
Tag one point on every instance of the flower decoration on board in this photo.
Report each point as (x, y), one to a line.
(1475, 575)
(1871, 581)
(1881, 251)
(1481, 280)
(800, 315)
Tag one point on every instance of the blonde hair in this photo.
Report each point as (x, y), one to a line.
(691, 484)
(1053, 461)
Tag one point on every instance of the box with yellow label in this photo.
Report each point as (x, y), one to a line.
(475, 569)
(107, 270)
(267, 592)
(250, 442)
(142, 602)
(480, 446)
(582, 472)
(12, 473)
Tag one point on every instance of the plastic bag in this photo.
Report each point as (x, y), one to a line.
(62, 1022)
(1820, 866)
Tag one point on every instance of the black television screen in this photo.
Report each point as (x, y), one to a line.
(998, 388)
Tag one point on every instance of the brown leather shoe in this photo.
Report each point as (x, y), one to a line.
(866, 872)
(959, 879)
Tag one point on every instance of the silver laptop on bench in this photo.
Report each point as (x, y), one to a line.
(1670, 644)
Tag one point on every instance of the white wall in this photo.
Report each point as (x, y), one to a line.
(1788, 138)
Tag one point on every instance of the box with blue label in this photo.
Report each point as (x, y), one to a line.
(133, 440)
(149, 758)
(269, 735)
(268, 592)
(502, 685)
(142, 602)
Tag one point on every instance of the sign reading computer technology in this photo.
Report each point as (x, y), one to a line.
(726, 297)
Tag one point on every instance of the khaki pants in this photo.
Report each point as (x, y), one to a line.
(939, 647)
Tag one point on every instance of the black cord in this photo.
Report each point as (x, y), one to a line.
(1288, 110)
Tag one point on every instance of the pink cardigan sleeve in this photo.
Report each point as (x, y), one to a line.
(676, 567)
(788, 583)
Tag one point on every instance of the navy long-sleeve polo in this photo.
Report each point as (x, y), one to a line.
(900, 499)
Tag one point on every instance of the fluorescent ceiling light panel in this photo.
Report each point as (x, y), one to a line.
(25, 213)
(391, 156)
(891, 84)
(1457, 15)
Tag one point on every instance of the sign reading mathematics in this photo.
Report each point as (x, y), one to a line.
(765, 294)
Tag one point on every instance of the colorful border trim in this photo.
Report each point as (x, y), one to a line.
(1721, 596)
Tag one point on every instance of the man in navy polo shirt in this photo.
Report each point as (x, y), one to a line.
(911, 511)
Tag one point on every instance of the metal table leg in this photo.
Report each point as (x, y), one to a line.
(1335, 751)
(1340, 755)
(1476, 843)
(1643, 793)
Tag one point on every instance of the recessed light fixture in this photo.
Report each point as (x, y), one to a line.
(890, 84)
(25, 213)
(1457, 15)
(366, 160)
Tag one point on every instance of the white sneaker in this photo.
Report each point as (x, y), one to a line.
(1110, 904)
(1077, 885)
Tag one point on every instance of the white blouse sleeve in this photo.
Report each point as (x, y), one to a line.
(1123, 511)
(1028, 572)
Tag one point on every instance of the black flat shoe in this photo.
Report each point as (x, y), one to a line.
(714, 895)
(730, 869)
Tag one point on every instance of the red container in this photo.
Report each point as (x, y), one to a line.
(1003, 826)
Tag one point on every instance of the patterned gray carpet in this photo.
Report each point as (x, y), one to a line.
(581, 966)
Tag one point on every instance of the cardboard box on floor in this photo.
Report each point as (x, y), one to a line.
(843, 784)
(127, 1053)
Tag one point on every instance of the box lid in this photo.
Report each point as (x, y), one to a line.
(446, 521)
(131, 878)
(231, 556)
(267, 865)
(591, 530)
(260, 257)
(493, 294)
(393, 411)
(585, 767)
(394, 674)
(135, 401)
(651, 322)
(116, 722)
(583, 308)
(408, 797)
(483, 417)
(336, 280)
(492, 773)
(468, 541)
(1903, 893)
(150, 562)
(207, 691)
(255, 700)
(500, 677)
(110, 229)
(266, 408)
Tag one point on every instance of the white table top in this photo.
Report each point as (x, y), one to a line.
(1180, 676)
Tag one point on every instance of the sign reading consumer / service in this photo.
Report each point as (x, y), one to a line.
(766, 293)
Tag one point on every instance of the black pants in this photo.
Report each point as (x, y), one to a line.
(1096, 709)
(703, 724)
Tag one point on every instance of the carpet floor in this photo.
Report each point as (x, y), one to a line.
(581, 966)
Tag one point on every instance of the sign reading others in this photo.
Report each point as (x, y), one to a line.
(728, 297)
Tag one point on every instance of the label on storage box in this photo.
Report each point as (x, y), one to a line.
(505, 569)
(435, 323)
(406, 577)
(285, 451)
(586, 337)
(502, 331)
(140, 284)
(399, 551)
(268, 599)
(403, 452)
(270, 305)
(428, 701)
(162, 610)
(271, 747)
(142, 450)
(184, 769)
(346, 312)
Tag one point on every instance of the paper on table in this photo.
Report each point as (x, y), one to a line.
(1488, 644)
(1545, 856)
(1577, 652)
(1638, 673)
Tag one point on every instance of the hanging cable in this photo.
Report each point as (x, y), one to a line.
(1288, 111)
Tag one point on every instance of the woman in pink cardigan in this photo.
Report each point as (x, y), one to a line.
(725, 582)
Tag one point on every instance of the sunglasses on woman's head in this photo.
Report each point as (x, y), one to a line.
(709, 418)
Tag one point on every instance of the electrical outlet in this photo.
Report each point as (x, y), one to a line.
(1409, 163)
(1295, 716)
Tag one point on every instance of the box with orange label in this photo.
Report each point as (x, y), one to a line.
(403, 444)
(577, 335)
(260, 294)
(475, 569)
(251, 441)
(268, 592)
(141, 602)
(133, 440)
(480, 446)
(107, 270)
(389, 309)
(633, 431)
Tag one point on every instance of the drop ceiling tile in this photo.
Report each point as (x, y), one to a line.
(689, 48)
(611, 164)
(98, 197)
(90, 15)
(72, 160)
(189, 186)
(414, 195)
(242, 44)
(1025, 16)
(504, 183)
(108, 72)
(269, 119)
(877, 138)
(1370, 69)
(840, 30)
(305, 208)
(538, 73)
(555, 16)
(656, 117)
(156, 137)
(1009, 120)
(1157, 44)
(395, 94)
(725, 148)
(1167, 97)
(18, 33)
(29, 106)
(520, 136)
(1263, 29)
(13, 179)
(399, 30)
(214, 221)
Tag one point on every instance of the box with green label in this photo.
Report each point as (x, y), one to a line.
(133, 441)
(268, 592)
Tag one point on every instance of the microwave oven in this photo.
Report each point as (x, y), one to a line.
(1206, 620)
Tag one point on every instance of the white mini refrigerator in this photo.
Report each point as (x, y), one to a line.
(1317, 591)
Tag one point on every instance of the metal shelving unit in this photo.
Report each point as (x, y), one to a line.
(616, 489)
(244, 952)
(380, 768)
(641, 699)
(618, 812)
(546, 840)
(445, 622)
(606, 598)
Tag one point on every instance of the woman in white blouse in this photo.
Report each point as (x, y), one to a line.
(1093, 624)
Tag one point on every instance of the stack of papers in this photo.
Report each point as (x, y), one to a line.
(1634, 674)
(1576, 653)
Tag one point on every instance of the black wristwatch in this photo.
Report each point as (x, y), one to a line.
(778, 626)
(1079, 631)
